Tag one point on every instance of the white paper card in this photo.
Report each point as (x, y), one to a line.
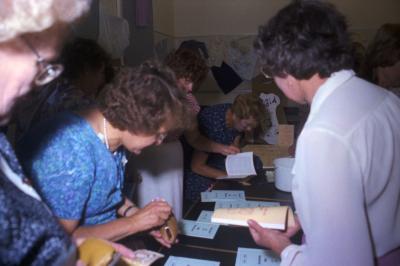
(198, 229)
(205, 216)
(256, 257)
(244, 204)
(240, 164)
(182, 261)
(217, 195)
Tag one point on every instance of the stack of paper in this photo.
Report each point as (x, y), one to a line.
(182, 261)
(269, 217)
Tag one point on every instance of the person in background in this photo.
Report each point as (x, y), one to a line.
(31, 34)
(87, 68)
(225, 124)
(346, 172)
(161, 167)
(76, 160)
(382, 60)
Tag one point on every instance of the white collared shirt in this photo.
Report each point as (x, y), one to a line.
(347, 175)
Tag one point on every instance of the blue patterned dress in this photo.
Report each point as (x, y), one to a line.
(73, 171)
(212, 125)
(29, 233)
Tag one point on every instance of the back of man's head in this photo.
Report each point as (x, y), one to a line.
(303, 39)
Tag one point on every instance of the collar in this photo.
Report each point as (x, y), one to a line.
(325, 90)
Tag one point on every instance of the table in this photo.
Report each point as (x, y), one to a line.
(223, 247)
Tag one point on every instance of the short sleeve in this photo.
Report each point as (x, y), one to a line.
(63, 173)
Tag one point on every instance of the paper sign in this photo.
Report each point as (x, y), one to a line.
(244, 204)
(205, 216)
(198, 229)
(256, 257)
(182, 261)
(215, 195)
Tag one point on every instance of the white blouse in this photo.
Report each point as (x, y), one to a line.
(347, 175)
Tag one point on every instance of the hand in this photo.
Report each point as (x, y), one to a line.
(292, 230)
(227, 149)
(157, 236)
(153, 214)
(268, 238)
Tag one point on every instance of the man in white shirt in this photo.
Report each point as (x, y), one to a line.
(347, 171)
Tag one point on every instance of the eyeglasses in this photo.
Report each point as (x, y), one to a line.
(47, 72)
(265, 74)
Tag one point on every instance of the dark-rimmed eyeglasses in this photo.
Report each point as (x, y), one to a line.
(47, 72)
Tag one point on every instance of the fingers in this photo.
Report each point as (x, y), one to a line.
(124, 251)
(254, 225)
(157, 236)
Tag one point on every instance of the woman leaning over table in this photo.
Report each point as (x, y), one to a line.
(76, 160)
(224, 124)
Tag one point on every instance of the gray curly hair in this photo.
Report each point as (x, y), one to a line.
(23, 16)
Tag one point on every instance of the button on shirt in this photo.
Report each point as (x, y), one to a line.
(347, 175)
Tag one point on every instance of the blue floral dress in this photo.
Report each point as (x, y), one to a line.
(74, 172)
(212, 125)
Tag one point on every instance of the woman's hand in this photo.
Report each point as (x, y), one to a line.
(157, 236)
(269, 238)
(152, 215)
(226, 149)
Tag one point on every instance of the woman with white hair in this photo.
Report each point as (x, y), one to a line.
(31, 32)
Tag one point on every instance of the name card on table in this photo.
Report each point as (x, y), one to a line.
(198, 229)
(218, 195)
(244, 204)
(256, 257)
(205, 216)
(182, 261)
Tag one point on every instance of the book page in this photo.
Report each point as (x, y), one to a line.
(240, 164)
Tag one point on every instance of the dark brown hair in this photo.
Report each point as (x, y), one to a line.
(249, 105)
(188, 64)
(143, 99)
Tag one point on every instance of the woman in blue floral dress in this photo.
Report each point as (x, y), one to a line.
(76, 160)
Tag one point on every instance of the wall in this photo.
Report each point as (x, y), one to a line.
(181, 18)
(219, 23)
(141, 38)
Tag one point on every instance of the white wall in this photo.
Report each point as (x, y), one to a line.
(182, 18)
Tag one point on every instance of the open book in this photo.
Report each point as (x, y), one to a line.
(239, 165)
(279, 217)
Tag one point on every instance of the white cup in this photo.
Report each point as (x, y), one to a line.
(283, 173)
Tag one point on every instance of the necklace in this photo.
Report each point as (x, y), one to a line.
(105, 133)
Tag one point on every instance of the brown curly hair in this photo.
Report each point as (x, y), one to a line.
(249, 105)
(188, 64)
(143, 99)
